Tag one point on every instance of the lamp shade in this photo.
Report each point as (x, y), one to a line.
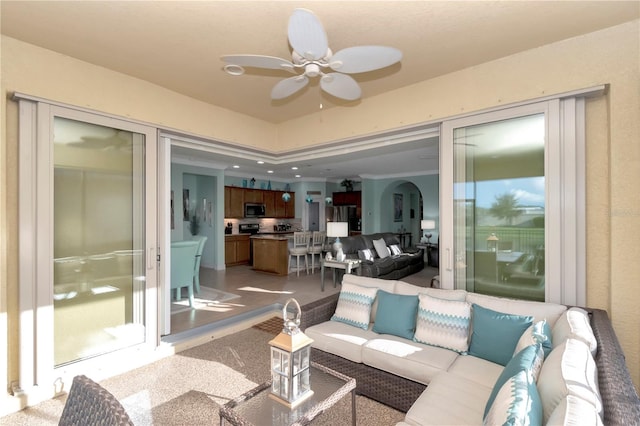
(337, 229)
(427, 224)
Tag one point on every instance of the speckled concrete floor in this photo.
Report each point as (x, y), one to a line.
(188, 388)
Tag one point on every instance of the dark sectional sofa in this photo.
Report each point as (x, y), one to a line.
(393, 267)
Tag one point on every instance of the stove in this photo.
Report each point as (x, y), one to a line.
(249, 228)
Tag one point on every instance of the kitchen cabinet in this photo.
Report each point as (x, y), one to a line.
(271, 255)
(236, 249)
(275, 206)
(352, 198)
(233, 202)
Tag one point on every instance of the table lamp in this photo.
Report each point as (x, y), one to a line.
(427, 225)
(337, 230)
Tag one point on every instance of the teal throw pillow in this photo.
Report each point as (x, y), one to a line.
(396, 314)
(495, 334)
(529, 359)
(517, 403)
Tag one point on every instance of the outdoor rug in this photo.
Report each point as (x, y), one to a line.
(208, 299)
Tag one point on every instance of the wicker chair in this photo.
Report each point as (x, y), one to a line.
(89, 403)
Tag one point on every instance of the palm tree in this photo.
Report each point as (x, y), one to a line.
(505, 207)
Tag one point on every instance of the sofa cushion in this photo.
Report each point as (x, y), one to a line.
(538, 333)
(539, 310)
(568, 370)
(354, 305)
(528, 360)
(476, 369)
(386, 285)
(443, 323)
(402, 287)
(395, 249)
(340, 339)
(396, 314)
(574, 324)
(495, 334)
(449, 400)
(406, 358)
(516, 403)
(365, 254)
(381, 248)
(575, 411)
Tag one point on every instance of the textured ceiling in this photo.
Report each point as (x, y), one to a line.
(178, 44)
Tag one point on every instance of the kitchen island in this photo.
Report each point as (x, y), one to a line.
(271, 252)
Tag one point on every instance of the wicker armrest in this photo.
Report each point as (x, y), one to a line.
(319, 311)
(619, 396)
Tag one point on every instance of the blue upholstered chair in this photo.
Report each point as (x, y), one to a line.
(196, 273)
(183, 263)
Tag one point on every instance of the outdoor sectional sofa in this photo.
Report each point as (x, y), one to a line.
(435, 385)
(390, 267)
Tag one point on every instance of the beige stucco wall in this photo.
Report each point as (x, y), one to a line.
(613, 134)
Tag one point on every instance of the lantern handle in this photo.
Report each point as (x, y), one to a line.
(291, 324)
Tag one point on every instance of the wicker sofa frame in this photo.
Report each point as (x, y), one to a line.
(619, 396)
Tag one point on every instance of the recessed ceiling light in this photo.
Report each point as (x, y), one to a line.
(294, 168)
(260, 162)
(269, 171)
(235, 166)
(297, 175)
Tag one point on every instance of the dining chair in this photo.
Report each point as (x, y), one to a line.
(300, 249)
(88, 403)
(316, 247)
(196, 273)
(183, 264)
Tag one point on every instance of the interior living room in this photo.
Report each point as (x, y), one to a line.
(495, 142)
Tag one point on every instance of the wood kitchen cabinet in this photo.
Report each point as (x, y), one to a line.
(233, 201)
(271, 255)
(253, 196)
(236, 249)
(285, 209)
(269, 200)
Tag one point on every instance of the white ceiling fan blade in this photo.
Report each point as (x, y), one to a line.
(364, 58)
(288, 86)
(259, 61)
(307, 35)
(341, 86)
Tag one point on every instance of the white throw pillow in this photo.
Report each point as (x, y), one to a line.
(574, 324)
(517, 403)
(443, 323)
(539, 332)
(381, 248)
(568, 370)
(395, 249)
(574, 411)
(354, 305)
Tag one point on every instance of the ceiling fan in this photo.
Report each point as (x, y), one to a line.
(312, 55)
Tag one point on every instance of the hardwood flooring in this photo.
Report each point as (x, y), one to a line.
(260, 293)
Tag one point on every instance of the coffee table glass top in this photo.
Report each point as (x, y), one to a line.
(257, 407)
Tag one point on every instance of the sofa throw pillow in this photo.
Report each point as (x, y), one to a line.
(529, 359)
(396, 314)
(354, 305)
(395, 249)
(575, 411)
(517, 403)
(443, 323)
(365, 254)
(495, 334)
(381, 248)
(574, 324)
(539, 332)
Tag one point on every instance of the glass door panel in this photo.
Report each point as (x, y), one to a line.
(499, 207)
(99, 236)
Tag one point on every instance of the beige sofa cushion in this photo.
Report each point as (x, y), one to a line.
(386, 285)
(574, 411)
(340, 339)
(574, 324)
(407, 359)
(449, 400)
(402, 287)
(538, 310)
(476, 369)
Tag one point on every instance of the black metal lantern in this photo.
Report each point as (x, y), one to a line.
(290, 358)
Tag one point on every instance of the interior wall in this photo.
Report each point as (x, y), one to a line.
(608, 57)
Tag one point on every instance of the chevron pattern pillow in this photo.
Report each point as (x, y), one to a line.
(354, 305)
(443, 323)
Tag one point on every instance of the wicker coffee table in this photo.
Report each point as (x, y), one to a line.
(256, 407)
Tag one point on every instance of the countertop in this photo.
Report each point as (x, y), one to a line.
(279, 237)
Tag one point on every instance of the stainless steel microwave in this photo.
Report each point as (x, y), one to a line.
(254, 210)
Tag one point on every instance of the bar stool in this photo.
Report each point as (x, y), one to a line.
(315, 247)
(300, 248)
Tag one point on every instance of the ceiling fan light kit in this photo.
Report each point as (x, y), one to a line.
(312, 55)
